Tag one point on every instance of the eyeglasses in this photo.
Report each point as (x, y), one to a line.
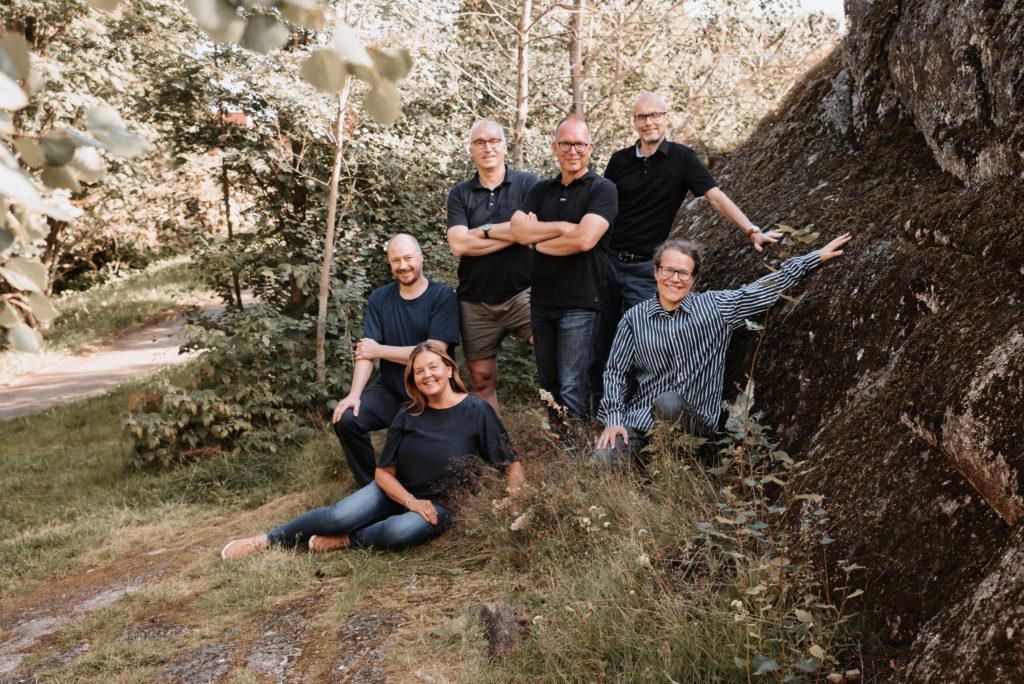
(579, 147)
(481, 144)
(653, 116)
(670, 273)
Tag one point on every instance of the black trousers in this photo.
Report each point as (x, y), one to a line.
(377, 408)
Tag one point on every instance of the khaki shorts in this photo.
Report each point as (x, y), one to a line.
(485, 324)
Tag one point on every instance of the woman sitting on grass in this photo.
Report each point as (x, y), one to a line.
(429, 445)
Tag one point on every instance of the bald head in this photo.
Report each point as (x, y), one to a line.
(406, 260)
(403, 242)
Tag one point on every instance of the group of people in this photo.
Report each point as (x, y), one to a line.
(581, 267)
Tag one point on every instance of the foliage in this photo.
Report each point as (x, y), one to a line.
(249, 390)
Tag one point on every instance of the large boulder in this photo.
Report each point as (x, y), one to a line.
(898, 370)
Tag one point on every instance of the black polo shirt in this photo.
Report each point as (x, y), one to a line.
(504, 274)
(651, 189)
(571, 281)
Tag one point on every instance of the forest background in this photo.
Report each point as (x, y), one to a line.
(257, 141)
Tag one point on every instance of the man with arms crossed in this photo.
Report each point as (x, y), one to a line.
(673, 346)
(564, 218)
(399, 316)
(494, 271)
(652, 177)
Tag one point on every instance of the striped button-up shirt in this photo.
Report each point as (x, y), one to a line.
(684, 350)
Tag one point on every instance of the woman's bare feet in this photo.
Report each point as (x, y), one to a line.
(244, 547)
(320, 543)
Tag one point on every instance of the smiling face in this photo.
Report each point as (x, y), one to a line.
(431, 375)
(572, 147)
(650, 119)
(487, 147)
(674, 275)
(406, 260)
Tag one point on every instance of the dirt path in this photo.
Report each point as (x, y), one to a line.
(128, 357)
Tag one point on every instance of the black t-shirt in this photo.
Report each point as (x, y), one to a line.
(571, 281)
(397, 322)
(438, 448)
(651, 189)
(504, 274)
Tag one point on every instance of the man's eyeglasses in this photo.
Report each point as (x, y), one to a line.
(481, 144)
(670, 273)
(579, 147)
(653, 116)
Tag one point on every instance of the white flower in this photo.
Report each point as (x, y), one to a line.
(644, 560)
(520, 522)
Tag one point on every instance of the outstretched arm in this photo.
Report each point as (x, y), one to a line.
(738, 305)
(721, 203)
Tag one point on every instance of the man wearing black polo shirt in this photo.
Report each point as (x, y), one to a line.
(494, 271)
(652, 177)
(564, 219)
(399, 316)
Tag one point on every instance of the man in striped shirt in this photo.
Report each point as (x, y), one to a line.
(674, 346)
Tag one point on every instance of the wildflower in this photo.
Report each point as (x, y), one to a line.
(644, 560)
(737, 604)
(607, 525)
(520, 522)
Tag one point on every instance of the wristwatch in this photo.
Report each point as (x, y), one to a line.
(487, 230)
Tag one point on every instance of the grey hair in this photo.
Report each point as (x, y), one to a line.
(648, 95)
(574, 117)
(690, 249)
(486, 123)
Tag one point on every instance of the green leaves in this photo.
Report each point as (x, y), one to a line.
(325, 70)
(264, 34)
(24, 274)
(328, 68)
(111, 132)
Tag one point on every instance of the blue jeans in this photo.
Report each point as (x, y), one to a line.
(626, 285)
(368, 517)
(563, 343)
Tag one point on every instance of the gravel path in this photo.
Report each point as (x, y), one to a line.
(127, 358)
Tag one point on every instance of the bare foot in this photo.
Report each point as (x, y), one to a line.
(320, 543)
(244, 547)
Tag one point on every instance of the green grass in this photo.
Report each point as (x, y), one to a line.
(100, 311)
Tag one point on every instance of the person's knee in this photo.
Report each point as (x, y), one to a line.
(668, 406)
(484, 376)
(349, 424)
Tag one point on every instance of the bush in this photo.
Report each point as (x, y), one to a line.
(256, 384)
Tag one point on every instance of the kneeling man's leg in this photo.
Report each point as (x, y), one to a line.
(672, 407)
(377, 408)
(621, 452)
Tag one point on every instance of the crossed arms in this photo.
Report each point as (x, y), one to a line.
(557, 238)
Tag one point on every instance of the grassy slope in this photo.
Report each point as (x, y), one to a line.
(636, 599)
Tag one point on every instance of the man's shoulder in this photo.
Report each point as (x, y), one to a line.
(463, 188)
(383, 293)
(641, 310)
(525, 177)
(439, 290)
(625, 154)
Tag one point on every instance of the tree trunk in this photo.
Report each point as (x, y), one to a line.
(332, 210)
(522, 85)
(576, 56)
(225, 188)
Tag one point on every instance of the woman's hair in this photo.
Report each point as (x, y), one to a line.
(418, 400)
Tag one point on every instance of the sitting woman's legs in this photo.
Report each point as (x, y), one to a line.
(359, 509)
(400, 531)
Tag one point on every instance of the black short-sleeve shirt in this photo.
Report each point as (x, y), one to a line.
(504, 274)
(398, 322)
(572, 281)
(651, 189)
(434, 450)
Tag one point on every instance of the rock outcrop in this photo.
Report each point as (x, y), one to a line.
(898, 370)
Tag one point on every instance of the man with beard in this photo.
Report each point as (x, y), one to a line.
(399, 316)
(652, 177)
(494, 271)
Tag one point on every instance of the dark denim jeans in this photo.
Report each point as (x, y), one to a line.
(626, 285)
(563, 343)
(368, 517)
